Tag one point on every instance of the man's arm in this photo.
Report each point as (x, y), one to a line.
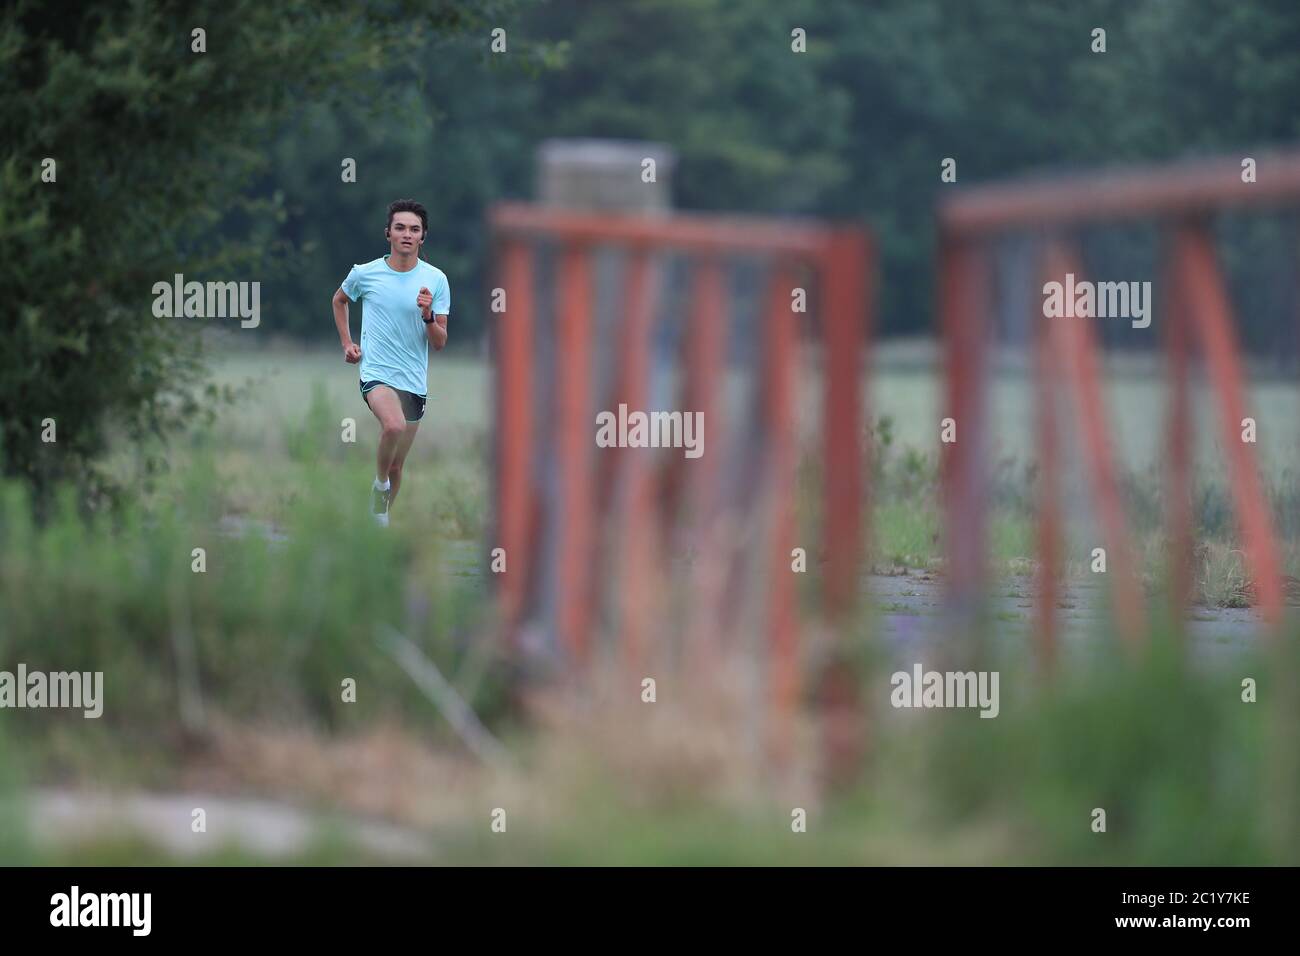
(437, 332)
(435, 326)
(351, 351)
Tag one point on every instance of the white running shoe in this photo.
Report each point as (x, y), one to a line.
(379, 499)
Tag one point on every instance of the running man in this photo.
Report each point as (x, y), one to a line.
(407, 303)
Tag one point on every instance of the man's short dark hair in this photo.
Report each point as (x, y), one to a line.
(409, 205)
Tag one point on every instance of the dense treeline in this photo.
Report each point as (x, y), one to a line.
(856, 127)
(225, 163)
(134, 138)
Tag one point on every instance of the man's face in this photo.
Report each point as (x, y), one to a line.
(405, 233)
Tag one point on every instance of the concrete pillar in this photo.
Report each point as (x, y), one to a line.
(596, 175)
(605, 174)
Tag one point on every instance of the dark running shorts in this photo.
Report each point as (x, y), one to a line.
(412, 404)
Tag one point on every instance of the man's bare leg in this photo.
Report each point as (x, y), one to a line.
(387, 407)
(399, 457)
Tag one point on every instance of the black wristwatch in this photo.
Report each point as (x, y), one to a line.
(430, 319)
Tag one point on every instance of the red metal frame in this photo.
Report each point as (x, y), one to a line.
(622, 489)
(1167, 191)
(1198, 313)
(1211, 315)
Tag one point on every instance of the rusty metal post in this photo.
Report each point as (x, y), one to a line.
(514, 429)
(706, 366)
(1211, 316)
(780, 348)
(637, 534)
(703, 528)
(1077, 340)
(1178, 516)
(575, 440)
(1047, 369)
(962, 316)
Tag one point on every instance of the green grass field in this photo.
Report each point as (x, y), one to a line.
(296, 402)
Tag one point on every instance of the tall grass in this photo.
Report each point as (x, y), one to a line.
(187, 623)
(1185, 770)
(1178, 762)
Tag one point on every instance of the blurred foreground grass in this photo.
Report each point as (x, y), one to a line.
(1185, 771)
(298, 584)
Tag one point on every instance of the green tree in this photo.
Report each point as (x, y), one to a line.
(155, 146)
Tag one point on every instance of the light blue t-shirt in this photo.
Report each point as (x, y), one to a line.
(394, 342)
